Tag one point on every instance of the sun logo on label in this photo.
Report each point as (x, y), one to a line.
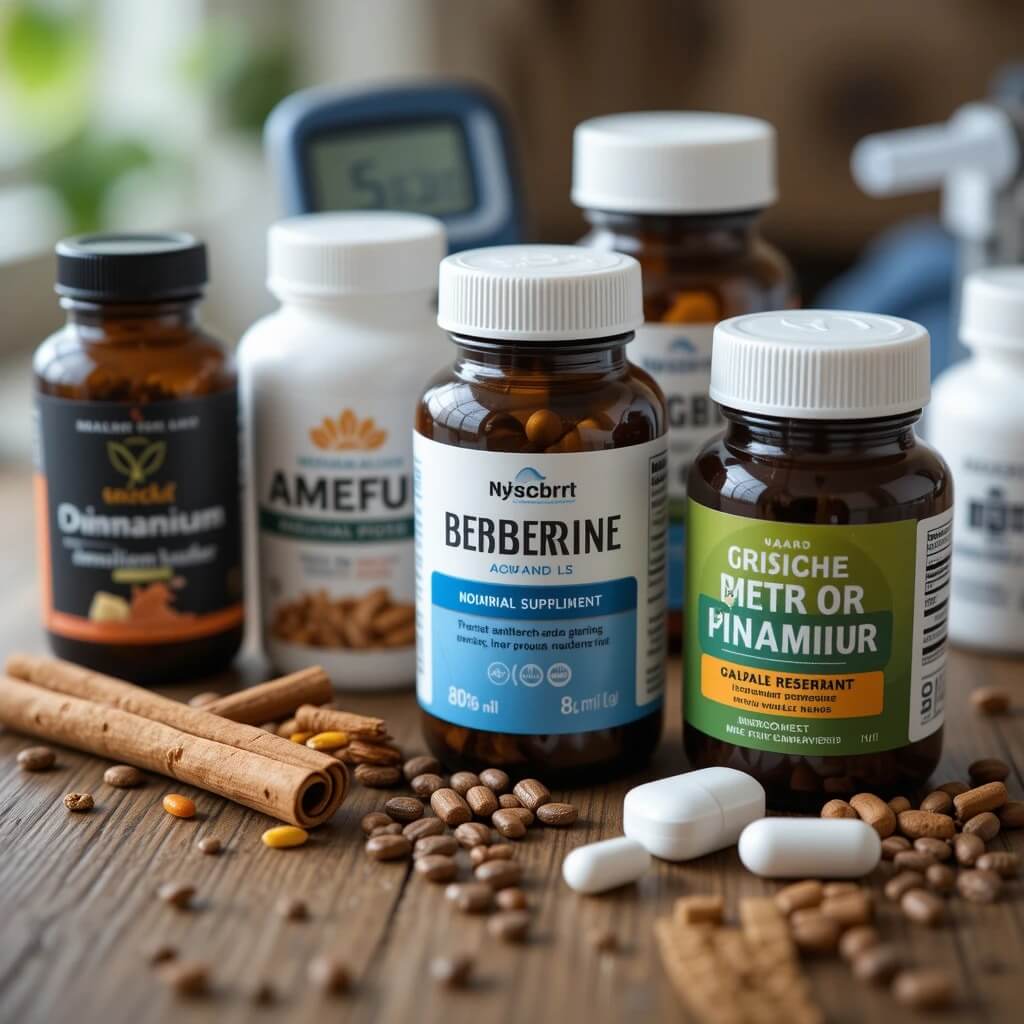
(348, 433)
(136, 457)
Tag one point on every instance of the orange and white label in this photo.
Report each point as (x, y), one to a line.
(798, 695)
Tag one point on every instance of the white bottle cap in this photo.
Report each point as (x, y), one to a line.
(539, 293)
(821, 364)
(320, 255)
(674, 162)
(992, 310)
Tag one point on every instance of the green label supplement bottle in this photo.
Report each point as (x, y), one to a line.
(137, 479)
(539, 475)
(682, 192)
(819, 541)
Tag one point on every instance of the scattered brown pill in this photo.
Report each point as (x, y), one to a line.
(449, 806)
(123, 776)
(799, 896)
(424, 764)
(404, 808)
(922, 906)
(985, 826)
(79, 802)
(507, 800)
(838, 809)
(435, 867)
(501, 851)
(473, 833)
(470, 897)
(452, 971)
(813, 932)
(421, 828)
(531, 793)
(924, 988)
(1004, 863)
(177, 894)
(940, 878)
(374, 820)
(876, 812)
(495, 780)
(179, 806)
(903, 883)
(482, 801)
(968, 848)
(1011, 814)
(849, 909)
(509, 823)
(830, 889)
(857, 939)
(937, 849)
(557, 815)
(987, 797)
(510, 925)
(499, 874)
(200, 700)
(388, 847)
(893, 845)
(877, 964)
(938, 802)
(899, 803)
(36, 759)
(429, 846)
(394, 829)
(915, 824)
(187, 978)
(914, 860)
(988, 769)
(426, 785)
(378, 776)
(979, 886)
(511, 899)
(463, 782)
(161, 954)
(210, 845)
(329, 975)
(988, 700)
(291, 908)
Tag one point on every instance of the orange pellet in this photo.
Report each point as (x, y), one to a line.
(180, 806)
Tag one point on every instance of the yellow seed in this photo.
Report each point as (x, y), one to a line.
(300, 737)
(283, 836)
(178, 805)
(327, 740)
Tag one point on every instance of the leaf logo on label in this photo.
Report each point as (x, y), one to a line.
(348, 433)
(139, 464)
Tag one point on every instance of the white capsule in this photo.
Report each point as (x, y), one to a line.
(598, 867)
(810, 848)
(689, 815)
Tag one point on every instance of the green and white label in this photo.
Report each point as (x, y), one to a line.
(823, 640)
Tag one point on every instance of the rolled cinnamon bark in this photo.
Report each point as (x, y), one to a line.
(313, 719)
(73, 680)
(290, 792)
(276, 699)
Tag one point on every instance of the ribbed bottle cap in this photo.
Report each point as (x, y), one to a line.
(673, 162)
(539, 293)
(821, 364)
(992, 309)
(131, 267)
(371, 252)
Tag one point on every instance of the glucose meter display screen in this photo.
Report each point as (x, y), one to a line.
(421, 166)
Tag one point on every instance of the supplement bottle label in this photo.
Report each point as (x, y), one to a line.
(678, 357)
(816, 639)
(138, 509)
(988, 551)
(541, 587)
(333, 483)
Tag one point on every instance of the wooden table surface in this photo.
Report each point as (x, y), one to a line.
(78, 911)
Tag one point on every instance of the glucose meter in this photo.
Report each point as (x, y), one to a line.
(437, 148)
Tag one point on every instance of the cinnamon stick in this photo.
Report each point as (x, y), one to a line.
(108, 692)
(314, 719)
(276, 699)
(300, 795)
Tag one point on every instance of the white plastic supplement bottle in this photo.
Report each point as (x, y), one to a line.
(329, 385)
(977, 423)
(682, 192)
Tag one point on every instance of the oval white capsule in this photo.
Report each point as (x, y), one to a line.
(810, 848)
(598, 867)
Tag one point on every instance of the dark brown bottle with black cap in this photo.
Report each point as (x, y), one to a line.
(137, 482)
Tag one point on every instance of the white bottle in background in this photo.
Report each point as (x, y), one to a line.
(977, 423)
(329, 389)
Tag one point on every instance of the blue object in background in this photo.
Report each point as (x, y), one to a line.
(439, 148)
(907, 271)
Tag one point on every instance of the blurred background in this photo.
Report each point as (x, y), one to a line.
(130, 114)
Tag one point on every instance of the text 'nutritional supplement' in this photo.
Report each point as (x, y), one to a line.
(683, 193)
(540, 506)
(820, 532)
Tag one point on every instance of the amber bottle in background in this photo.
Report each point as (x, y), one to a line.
(682, 193)
(137, 483)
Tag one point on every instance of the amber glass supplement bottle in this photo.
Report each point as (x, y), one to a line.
(819, 552)
(540, 507)
(137, 464)
(682, 193)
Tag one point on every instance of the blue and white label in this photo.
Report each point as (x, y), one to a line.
(540, 586)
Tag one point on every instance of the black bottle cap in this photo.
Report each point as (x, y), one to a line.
(131, 267)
